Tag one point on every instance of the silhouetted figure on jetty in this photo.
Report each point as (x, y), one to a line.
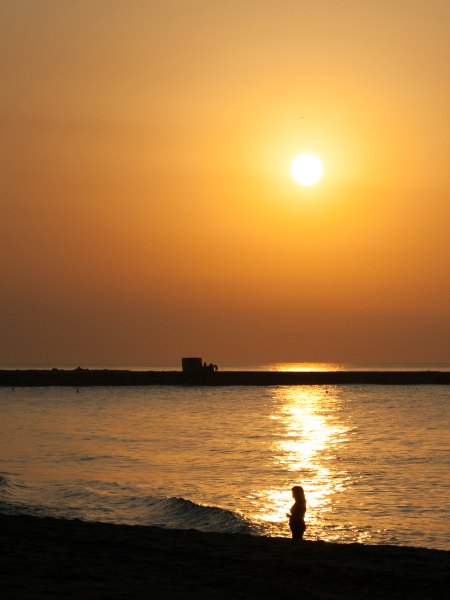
(297, 513)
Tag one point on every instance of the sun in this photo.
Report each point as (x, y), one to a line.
(306, 169)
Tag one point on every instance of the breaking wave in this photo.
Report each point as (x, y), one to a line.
(180, 513)
(115, 504)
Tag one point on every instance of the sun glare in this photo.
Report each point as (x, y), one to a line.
(306, 169)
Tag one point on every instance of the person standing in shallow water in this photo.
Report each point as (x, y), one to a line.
(297, 513)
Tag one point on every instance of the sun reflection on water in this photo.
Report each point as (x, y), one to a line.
(304, 367)
(307, 442)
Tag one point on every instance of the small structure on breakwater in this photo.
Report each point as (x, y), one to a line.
(195, 366)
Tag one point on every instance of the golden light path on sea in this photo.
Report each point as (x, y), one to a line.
(310, 435)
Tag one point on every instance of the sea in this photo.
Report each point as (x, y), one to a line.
(374, 460)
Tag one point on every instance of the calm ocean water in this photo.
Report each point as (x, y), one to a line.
(374, 460)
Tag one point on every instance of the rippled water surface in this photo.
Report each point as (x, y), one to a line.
(374, 460)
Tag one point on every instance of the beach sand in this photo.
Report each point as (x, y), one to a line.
(64, 559)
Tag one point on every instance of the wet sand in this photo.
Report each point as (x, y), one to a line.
(54, 558)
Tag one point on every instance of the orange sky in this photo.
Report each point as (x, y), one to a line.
(147, 210)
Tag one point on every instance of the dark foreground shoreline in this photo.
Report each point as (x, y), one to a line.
(108, 377)
(54, 558)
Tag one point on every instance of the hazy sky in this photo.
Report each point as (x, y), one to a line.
(147, 209)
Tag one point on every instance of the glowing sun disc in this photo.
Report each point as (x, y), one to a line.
(306, 169)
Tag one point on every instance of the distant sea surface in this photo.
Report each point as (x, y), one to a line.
(374, 460)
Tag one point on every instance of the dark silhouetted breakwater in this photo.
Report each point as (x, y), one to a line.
(108, 377)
